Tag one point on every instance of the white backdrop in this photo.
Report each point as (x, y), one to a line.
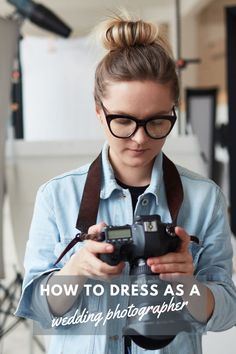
(58, 79)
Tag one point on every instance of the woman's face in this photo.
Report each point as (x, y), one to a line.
(140, 99)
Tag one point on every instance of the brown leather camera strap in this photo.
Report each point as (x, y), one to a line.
(173, 188)
(91, 195)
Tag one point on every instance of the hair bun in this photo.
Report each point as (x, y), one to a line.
(120, 33)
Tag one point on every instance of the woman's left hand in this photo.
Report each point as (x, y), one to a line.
(174, 264)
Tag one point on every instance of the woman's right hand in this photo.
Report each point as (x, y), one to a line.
(85, 262)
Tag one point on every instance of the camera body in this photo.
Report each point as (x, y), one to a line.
(147, 237)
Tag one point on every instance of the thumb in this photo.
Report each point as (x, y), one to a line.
(98, 247)
(96, 229)
(184, 238)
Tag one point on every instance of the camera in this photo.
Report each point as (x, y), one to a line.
(147, 237)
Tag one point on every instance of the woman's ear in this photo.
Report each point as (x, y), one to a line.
(99, 112)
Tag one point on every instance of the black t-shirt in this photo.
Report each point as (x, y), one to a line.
(134, 191)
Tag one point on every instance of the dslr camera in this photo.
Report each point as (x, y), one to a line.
(147, 237)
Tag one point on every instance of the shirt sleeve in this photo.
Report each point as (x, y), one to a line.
(45, 244)
(40, 252)
(214, 267)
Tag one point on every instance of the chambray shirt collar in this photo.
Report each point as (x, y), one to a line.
(156, 177)
(109, 183)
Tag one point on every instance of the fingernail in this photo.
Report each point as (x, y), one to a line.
(109, 248)
(153, 269)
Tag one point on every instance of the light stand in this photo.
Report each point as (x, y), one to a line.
(9, 294)
(10, 29)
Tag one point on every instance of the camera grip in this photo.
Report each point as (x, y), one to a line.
(113, 258)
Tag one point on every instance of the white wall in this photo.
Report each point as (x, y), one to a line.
(58, 84)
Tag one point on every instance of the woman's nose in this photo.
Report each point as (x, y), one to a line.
(140, 136)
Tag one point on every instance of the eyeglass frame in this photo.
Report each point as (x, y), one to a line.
(139, 122)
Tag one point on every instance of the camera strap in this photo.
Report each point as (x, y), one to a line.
(91, 197)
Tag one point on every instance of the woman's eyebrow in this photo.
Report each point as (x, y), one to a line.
(159, 113)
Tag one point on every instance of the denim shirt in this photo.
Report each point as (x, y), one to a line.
(203, 213)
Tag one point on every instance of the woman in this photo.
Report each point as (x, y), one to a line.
(136, 90)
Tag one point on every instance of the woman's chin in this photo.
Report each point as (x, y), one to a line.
(138, 161)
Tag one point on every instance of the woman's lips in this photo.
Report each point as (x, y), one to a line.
(137, 151)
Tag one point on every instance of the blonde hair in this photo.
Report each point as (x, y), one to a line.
(136, 52)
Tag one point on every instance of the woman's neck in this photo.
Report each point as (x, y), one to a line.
(132, 175)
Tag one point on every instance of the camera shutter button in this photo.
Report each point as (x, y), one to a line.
(144, 202)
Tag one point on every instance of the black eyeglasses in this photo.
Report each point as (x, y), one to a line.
(123, 126)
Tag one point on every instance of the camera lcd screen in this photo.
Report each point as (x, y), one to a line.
(119, 233)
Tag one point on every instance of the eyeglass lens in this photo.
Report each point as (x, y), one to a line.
(125, 127)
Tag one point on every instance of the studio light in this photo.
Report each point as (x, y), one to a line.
(41, 16)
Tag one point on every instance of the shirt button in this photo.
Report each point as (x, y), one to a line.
(144, 202)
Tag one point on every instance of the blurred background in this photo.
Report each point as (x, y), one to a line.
(48, 54)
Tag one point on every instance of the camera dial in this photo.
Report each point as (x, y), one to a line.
(170, 230)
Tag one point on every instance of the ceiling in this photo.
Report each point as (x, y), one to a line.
(82, 15)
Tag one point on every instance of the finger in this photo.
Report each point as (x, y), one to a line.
(172, 257)
(171, 277)
(98, 247)
(96, 229)
(113, 270)
(183, 268)
(184, 237)
(95, 267)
